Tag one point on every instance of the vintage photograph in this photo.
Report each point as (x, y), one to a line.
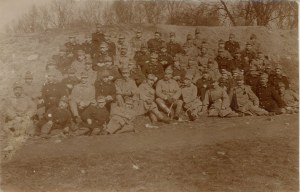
(149, 96)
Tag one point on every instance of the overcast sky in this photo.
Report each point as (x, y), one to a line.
(12, 9)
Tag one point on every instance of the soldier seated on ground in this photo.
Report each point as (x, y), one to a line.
(121, 118)
(269, 98)
(147, 95)
(173, 48)
(94, 118)
(216, 102)
(290, 99)
(279, 77)
(56, 120)
(18, 112)
(191, 102)
(82, 96)
(243, 100)
(168, 93)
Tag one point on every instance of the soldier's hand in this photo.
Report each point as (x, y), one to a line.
(89, 121)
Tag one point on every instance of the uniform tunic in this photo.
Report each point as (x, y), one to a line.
(99, 116)
(82, 96)
(52, 92)
(155, 69)
(269, 98)
(232, 47)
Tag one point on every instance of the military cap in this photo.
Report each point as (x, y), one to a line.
(221, 41)
(169, 70)
(138, 31)
(252, 68)
(124, 47)
(125, 70)
(154, 55)
(144, 45)
(84, 75)
(72, 70)
(189, 37)
(152, 77)
(278, 66)
(252, 36)
(28, 75)
(121, 36)
(189, 76)
(197, 30)
(280, 84)
(72, 37)
(157, 32)
(101, 99)
(264, 76)
(64, 99)
(17, 84)
(240, 78)
(231, 35)
(172, 34)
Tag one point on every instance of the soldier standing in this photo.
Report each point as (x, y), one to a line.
(248, 54)
(30, 89)
(137, 41)
(102, 59)
(231, 45)
(155, 44)
(279, 77)
(97, 36)
(168, 93)
(191, 49)
(173, 48)
(142, 56)
(72, 46)
(255, 44)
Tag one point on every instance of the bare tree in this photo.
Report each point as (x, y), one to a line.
(91, 12)
(62, 12)
(173, 7)
(154, 10)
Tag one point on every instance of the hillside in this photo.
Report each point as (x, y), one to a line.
(280, 45)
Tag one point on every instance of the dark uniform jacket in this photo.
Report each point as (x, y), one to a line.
(102, 59)
(240, 63)
(52, 92)
(72, 48)
(99, 116)
(252, 81)
(70, 82)
(276, 79)
(269, 99)
(173, 48)
(224, 63)
(141, 58)
(251, 55)
(105, 88)
(154, 45)
(61, 118)
(97, 38)
(203, 85)
(232, 47)
(154, 68)
(63, 63)
(165, 59)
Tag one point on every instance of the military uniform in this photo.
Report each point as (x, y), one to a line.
(154, 68)
(203, 85)
(97, 38)
(191, 49)
(173, 48)
(244, 100)
(183, 60)
(105, 89)
(276, 79)
(165, 59)
(70, 82)
(125, 89)
(216, 101)
(168, 93)
(141, 58)
(224, 63)
(72, 47)
(248, 56)
(136, 44)
(269, 98)
(232, 47)
(154, 45)
(101, 60)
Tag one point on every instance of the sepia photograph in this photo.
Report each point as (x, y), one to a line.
(149, 96)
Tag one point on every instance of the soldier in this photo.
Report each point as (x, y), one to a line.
(252, 78)
(216, 102)
(239, 62)
(153, 67)
(18, 111)
(191, 101)
(197, 40)
(168, 93)
(255, 44)
(231, 45)
(173, 48)
(223, 61)
(135, 72)
(243, 99)
(164, 58)
(79, 63)
(260, 62)
(147, 95)
(82, 96)
(112, 49)
(56, 119)
(52, 90)
(155, 44)
(193, 69)
(203, 58)
(269, 69)
(92, 75)
(102, 59)
(97, 36)
(87, 45)
(30, 89)
(125, 87)
(178, 72)
(203, 84)
(191, 49)
(123, 58)
(105, 87)
(248, 54)
(71, 80)
(213, 69)
(63, 61)
(182, 58)
(72, 46)
(121, 43)
(142, 57)
(225, 82)
(279, 77)
(122, 117)
(221, 45)
(290, 98)
(137, 41)
(95, 117)
(268, 97)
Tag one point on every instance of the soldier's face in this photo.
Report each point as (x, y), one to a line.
(197, 35)
(187, 82)
(281, 89)
(138, 35)
(157, 36)
(163, 50)
(129, 105)
(172, 38)
(98, 29)
(231, 38)
(153, 60)
(205, 75)
(249, 47)
(221, 45)
(252, 72)
(123, 51)
(260, 56)
(84, 80)
(203, 50)
(62, 105)
(18, 91)
(215, 84)
(71, 75)
(103, 49)
(88, 66)
(222, 54)
(106, 37)
(101, 104)
(278, 71)
(240, 82)
(125, 75)
(51, 78)
(237, 55)
(168, 76)
(121, 41)
(144, 50)
(264, 81)
(28, 81)
(150, 82)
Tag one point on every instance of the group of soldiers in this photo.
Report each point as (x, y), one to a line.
(99, 86)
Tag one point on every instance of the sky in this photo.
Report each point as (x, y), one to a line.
(13, 9)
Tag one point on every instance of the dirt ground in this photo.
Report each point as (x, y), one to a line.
(211, 154)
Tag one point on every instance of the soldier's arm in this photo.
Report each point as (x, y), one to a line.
(178, 90)
(225, 99)
(277, 98)
(206, 101)
(159, 92)
(252, 96)
(32, 108)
